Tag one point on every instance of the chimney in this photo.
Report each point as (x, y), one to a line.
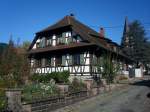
(72, 15)
(102, 33)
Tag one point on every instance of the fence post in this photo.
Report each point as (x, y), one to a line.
(14, 99)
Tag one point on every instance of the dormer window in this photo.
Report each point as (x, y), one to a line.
(76, 38)
(68, 34)
(58, 60)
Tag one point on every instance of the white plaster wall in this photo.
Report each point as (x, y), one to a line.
(54, 40)
(34, 46)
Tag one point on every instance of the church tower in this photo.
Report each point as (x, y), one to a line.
(126, 42)
(125, 37)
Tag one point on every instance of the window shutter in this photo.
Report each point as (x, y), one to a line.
(69, 40)
(94, 60)
(48, 61)
(81, 58)
(50, 41)
(43, 42)
(79, 38)
(43, 62)
(64, 40)
(70, 60)
(40, 44)
(64, 34)
(63, 60)
(74, 40)
(52, 61)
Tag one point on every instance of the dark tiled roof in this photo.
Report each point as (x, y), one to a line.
(86, 33)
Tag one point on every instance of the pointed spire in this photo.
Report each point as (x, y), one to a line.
(125, 32)
(126, 26)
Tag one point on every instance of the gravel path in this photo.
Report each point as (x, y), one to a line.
(132, 98)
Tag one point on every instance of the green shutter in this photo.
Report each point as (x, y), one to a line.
(43, 62)
(63, 60)
(63, 40)
(70, 59)
(44, 39)
(50, 41)
(94, 60)
(52, 61)
(79, 38)
(40, 44)
(64, 34)
(82, 59)
(69, 40)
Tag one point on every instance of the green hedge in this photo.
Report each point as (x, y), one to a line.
(59, 77)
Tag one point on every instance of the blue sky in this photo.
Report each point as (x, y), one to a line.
(23, 18)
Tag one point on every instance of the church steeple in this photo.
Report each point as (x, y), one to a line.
(125, 38)
(126, 26)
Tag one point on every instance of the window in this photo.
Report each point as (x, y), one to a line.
(48, 61)
(38, 62)
(78, 38)
(58, 60)
(43, 62)
(61, 40)
(76, 59)
(94, 60)
(69, 40)
(68, 34)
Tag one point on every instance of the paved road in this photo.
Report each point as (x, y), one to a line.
(132, 98)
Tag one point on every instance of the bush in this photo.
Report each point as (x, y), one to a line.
(77, 85)
(39, 91)
(3, 100)
(59, 77)
(3, 103)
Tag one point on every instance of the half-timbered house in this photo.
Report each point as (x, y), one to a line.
(71, 45)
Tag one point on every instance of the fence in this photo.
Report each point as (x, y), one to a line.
(49, 104)
(45, 105)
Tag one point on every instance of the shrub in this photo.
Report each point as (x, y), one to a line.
(62, 77)
(3, 100)
(59, 77)
(39, 91)
(77, 85)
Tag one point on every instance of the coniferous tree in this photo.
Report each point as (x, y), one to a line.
(135, 44)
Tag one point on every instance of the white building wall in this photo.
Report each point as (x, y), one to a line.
(37, 41)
